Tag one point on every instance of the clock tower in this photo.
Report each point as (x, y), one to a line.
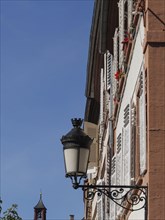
(40, 210)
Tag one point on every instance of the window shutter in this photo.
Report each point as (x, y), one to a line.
(142, 124)
(115, 65)
(108, 165)
(101, 95)
(126, 146)
(130, 7)
(108, 68)
(119, 160)
(113, 182)
(121, 30)
(100, 203)
(115, 50)
(107, 79)
(133, 141)
(119, 166)
(101, 108)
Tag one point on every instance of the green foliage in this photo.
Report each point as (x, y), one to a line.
(10, 213)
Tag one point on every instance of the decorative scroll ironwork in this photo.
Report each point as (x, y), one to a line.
(132, 198)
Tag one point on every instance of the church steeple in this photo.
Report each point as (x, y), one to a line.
(40, 210)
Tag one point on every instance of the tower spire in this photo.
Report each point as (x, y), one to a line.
(40, 210)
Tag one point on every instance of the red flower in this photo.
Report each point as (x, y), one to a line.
(117, 75)
(126, 39)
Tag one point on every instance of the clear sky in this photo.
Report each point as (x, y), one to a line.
(44, 51)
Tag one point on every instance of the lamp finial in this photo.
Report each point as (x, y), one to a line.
(77, 122)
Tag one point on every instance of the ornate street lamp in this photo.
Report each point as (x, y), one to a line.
(76, 146)
(76, 152)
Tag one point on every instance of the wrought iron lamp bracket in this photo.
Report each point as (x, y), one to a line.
(131, 198)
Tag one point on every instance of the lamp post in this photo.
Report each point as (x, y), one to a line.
(76, 147)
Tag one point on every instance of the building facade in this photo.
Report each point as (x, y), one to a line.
(125, 106)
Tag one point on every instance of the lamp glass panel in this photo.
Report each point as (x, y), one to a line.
(83, 160)
(71, 157)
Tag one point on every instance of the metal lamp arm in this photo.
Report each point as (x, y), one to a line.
(132, 198)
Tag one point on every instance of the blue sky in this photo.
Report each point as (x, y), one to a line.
(44, 51)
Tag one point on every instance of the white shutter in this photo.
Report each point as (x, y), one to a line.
(126, 146)
(108, 165)
(130, 5)
(115, 50)
(119, 166)
(142, 124)
(110, 75)
(119, 160)
(108, 68)
(121, 31)
(133, 140)
(113, 182)
(101, 95)
(115, 64)
(100, 203)
(107, 79)
(101, 107)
